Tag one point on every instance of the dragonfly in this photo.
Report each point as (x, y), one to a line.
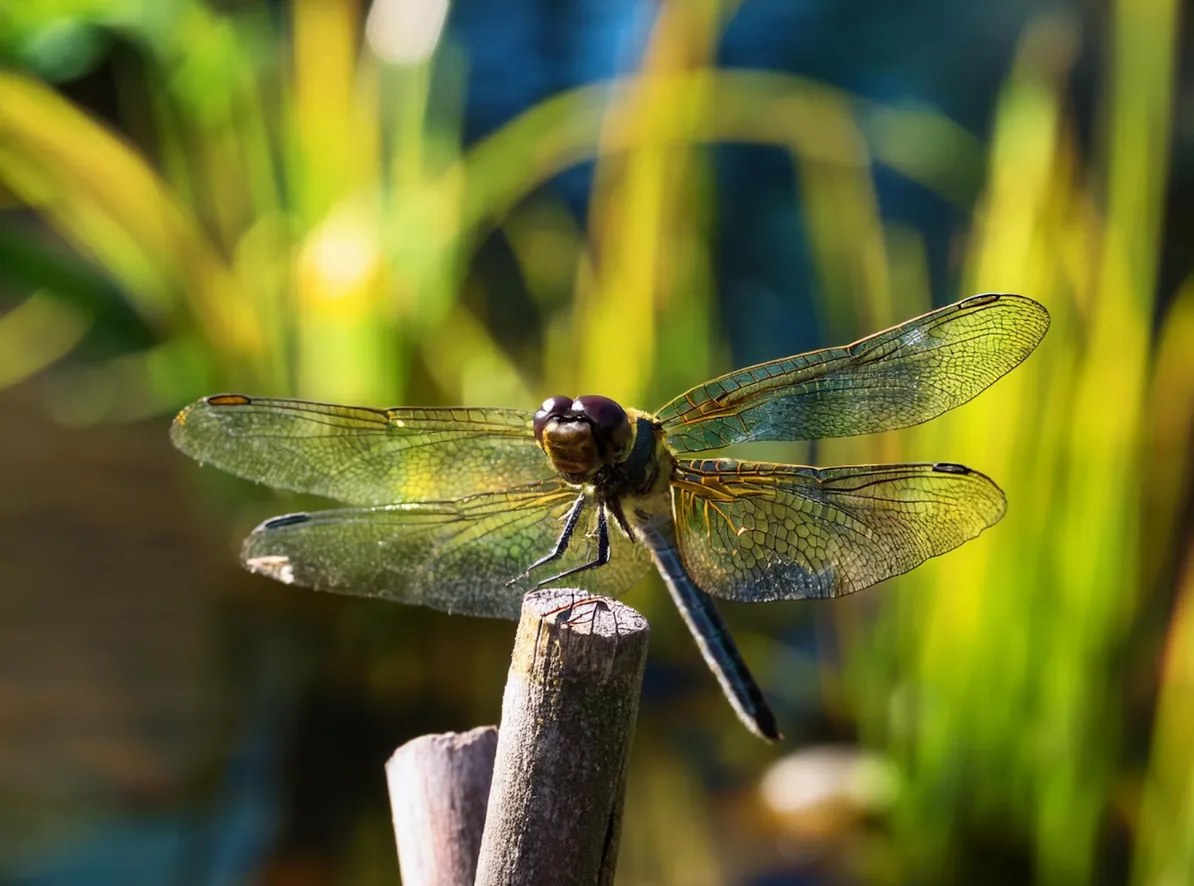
(465, 510)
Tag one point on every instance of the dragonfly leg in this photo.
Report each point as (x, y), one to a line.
(570, 521)
(602, 552)
(615, 508)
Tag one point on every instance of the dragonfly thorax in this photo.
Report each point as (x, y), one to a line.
(582, 436)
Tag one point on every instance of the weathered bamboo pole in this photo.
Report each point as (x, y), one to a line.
(439, 787)
(555, 805)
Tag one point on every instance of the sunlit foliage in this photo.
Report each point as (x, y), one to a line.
(292, 212)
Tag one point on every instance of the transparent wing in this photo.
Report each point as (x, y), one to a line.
(900, 377)
(452, 556)
(756, 532)
(362, 456)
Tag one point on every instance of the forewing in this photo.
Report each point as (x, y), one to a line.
(758, 532)
(900, 377)
(363, 456)
(452, 556)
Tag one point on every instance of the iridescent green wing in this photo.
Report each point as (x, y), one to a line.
(900, 377)
(758, 532)
(362, 456)
(452, 556)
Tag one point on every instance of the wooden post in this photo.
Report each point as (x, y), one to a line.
(439, 786)
(555, 805)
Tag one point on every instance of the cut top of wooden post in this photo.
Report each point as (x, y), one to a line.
(602, 636)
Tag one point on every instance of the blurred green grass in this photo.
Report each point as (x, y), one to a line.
(303, 219)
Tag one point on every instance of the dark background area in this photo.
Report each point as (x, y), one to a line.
(349, 202)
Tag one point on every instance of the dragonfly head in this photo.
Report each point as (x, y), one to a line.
(583, 435)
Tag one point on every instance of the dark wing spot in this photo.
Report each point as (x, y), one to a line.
(284, 520)
(228, 400)
(975, 300)
(946, 467)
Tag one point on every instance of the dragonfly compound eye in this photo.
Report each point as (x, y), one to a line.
(553, 407)
(610, 423)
